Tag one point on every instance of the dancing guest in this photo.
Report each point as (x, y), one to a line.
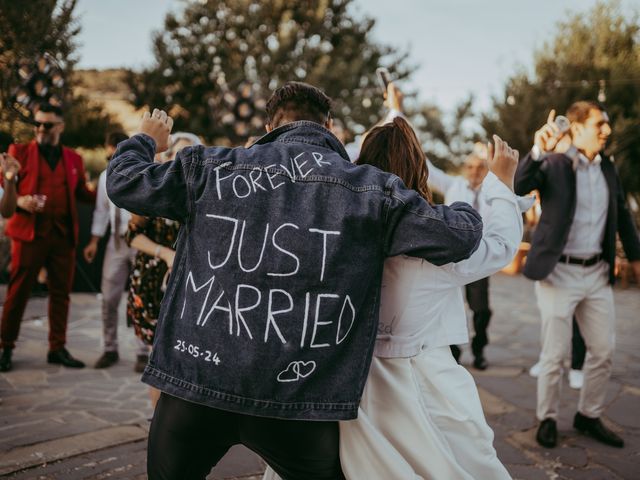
(268, 324)
(420, 415)
(44, 233)
(572, 260)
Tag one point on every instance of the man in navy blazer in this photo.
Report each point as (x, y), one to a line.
(572, 260)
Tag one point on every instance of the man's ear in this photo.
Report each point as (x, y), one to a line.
(268, 127)
(329, 124)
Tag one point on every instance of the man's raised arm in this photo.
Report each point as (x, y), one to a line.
(137, 184)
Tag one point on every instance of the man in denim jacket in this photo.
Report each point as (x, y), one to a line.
(270, 314)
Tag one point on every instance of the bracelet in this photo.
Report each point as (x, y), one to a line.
(157, 252)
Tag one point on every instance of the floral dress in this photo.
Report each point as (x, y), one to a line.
(148, 275)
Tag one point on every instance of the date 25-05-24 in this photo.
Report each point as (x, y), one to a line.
(197, 352)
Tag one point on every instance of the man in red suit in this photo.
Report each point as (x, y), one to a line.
(43, 232)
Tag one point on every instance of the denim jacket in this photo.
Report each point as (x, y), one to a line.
(272, 305)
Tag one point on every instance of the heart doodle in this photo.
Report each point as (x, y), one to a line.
(297, 370)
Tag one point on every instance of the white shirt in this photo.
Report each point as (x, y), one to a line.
(105, 212)
(456, 189)
(592, 203)
(421, 305)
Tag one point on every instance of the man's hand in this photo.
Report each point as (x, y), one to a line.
(9, 166)
(503, 161)
(28, 203)
(393, 98)
(548, 136)
(91, 249)
(158, 126)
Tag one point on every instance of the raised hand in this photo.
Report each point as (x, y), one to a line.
(9, 166)
(548, 136)
(503, 161)
(158, 126)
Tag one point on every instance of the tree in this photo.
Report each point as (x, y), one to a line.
(218, 60)
(592, 57)
(46, 26)
(446, 144)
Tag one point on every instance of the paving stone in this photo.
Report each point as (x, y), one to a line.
(527, 472)
(510, 455)
(624, 411)
(594, 473)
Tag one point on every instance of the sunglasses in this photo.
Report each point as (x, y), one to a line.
(46, 125)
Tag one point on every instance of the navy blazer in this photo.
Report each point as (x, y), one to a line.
(553, 176)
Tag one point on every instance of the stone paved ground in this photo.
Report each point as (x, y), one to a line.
(57, 423)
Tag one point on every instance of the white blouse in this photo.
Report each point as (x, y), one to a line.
(421, 304)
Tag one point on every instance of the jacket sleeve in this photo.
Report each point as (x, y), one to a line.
(529, 175)
(439, 234)
(137, 184)
(626, 226)
(500, 238)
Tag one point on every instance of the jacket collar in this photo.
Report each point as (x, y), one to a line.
(306, 132)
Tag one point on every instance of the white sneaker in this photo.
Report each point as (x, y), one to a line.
(534, 371)
(576, 379)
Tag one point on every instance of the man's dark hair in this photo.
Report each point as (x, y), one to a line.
(48, 108)
(579, 111)
(298, 101)
(114, 138)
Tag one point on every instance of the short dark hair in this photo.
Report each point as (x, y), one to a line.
(114, 138)
(48, 108)
(579, 111)
(298, 101)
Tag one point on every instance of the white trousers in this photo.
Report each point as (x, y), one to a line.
(115, 272)
(585, 291)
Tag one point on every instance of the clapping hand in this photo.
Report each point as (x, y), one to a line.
(503, 161)
(9, 166)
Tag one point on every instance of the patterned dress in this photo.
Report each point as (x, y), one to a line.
(148, 275)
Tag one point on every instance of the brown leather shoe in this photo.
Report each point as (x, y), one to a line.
(107, 359)
(141, 363)
(595, 428)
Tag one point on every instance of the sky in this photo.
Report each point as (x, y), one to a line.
(461, 47)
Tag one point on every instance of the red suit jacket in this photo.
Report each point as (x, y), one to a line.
(21, 226)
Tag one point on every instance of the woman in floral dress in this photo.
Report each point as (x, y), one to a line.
(154, 238)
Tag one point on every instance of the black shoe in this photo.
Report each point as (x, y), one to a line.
(5, 360)
(456, 352)
(547, 435)
(63, 357)
(107, 359)
(595, 428)
(141, 362)
(480, 363)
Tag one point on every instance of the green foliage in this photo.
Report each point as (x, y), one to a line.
(46, 26)
(590, 53)
(212, 46)
(446, 143)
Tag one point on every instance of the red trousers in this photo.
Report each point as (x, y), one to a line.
(57, 254)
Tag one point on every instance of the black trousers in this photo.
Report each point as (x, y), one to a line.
(478, 300)
(187, 440)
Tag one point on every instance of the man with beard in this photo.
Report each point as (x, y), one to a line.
(44, 233)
